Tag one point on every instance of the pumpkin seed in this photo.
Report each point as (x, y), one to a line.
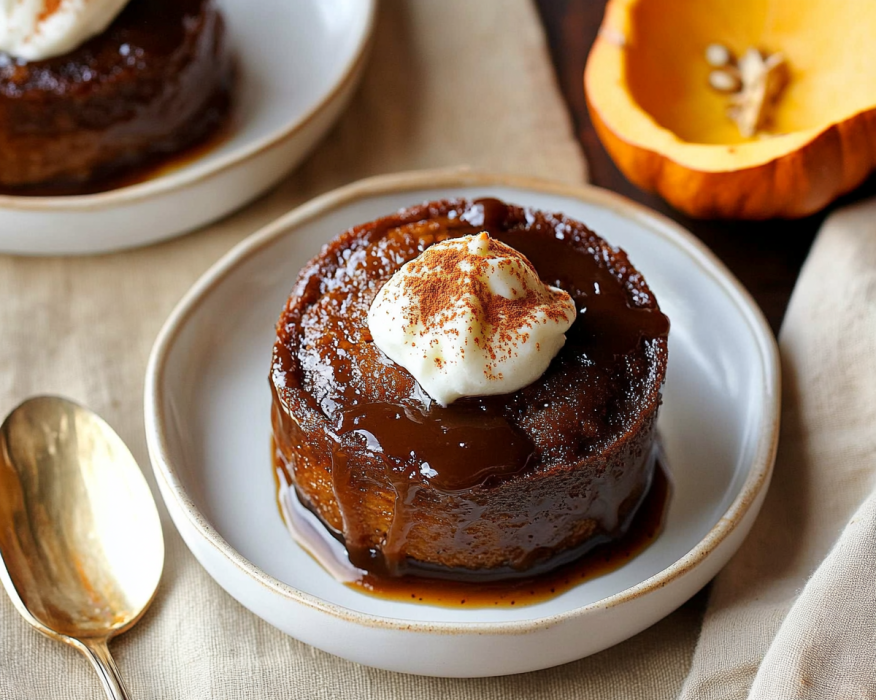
(725, 80)
(755, 82)
(718, 55)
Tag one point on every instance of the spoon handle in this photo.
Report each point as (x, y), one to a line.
(97, 652)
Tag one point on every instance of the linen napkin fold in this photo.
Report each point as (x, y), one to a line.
(763, 637)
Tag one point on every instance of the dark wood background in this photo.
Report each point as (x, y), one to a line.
(765, 256)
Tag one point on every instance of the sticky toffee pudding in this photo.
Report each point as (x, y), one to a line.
(487, 488)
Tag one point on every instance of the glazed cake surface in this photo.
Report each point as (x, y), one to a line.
(487, 487)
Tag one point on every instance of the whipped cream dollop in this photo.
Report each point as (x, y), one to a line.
(470, 317)
(38, 29)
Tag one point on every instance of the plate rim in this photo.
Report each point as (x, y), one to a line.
(181, 179)
(756, 480)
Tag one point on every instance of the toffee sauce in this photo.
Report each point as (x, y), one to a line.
(465, 452)
(599, 559)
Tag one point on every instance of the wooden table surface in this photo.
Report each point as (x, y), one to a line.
(765, 256)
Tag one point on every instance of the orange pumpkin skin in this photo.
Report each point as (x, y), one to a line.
(792, 186)
(832, 160)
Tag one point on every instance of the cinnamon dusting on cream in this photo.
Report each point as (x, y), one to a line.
(452, 281)
(474, 290)
(50, 7)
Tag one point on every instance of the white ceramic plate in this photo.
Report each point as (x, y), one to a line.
(207, 422)
(298, 61)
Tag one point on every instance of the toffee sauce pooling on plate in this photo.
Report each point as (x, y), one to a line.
(602, 558)
(477, 443)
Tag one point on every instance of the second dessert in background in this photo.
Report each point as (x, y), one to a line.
(469, 390)
(91, 90)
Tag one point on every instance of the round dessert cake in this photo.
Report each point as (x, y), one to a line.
(154, 82)
(487, 487)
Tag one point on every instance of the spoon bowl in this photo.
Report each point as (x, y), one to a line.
(80, 538)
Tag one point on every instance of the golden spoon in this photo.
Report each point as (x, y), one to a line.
(80, 540)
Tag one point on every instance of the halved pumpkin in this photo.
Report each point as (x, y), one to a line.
(649, 97)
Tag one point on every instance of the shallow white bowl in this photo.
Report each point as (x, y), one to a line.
(299, 62)
(207, 421)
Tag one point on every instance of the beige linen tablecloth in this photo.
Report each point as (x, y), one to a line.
(449, 83)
